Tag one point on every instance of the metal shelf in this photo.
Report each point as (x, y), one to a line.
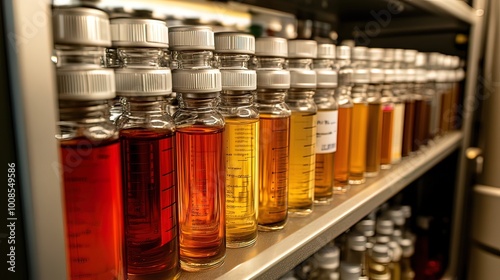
(277, 252)
(455, 8)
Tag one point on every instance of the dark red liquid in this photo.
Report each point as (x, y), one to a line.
(421, 132)
(202, 194)
(409, 121)
(94, 210)
(151, 202)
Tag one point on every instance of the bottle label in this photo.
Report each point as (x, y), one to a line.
(326, 132)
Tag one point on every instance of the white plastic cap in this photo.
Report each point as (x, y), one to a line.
(271, 46)
(326, 51)
(81, 26)
(302, 49)
(343, 52)
(421, 75)
(380, 253)
(303, 78)
(326, 78)
(361, 76)
(407, 247)
(139, 32)
(196, 81)
(143, 82)
(360, 53)
(420, 60)
(389, 75)
(328, 257)
(384, 226)
(376, 75)
(410, 56)
(85, 84)
(375, 54)
(234, 79)
(389, 55)
(234, 42)
(273, 79)
(185, 38)
(367, 227)
(399, 55)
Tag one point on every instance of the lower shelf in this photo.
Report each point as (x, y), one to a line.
(275, 253)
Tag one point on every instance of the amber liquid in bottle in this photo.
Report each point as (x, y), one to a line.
(386, 146)
(274, 145)
(421, 126)
(241, 152)
(357, 153)
(201, 179)
(446, 112)
(374, 139)
(409, 120)
(341, 162)
(302, 162)
(151, 238)
(326, 146)
(93, 208)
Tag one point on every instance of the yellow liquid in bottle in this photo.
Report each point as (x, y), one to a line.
(341, 162)
(274, 141)
(357, 154)
(241, 138)
(302, 162)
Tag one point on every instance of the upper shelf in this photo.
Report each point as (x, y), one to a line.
(277, 252)
(455, 8)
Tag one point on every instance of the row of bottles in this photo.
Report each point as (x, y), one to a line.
(381, 246)
(258, 129)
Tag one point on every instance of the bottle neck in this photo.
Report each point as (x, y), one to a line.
(236, 98)
(193, 59)
(84, 112)
(270, 96)
(145, 105)
(359, 90)
(300, 63)
(323, 63)
(271, 63)
(296, 94)
(233, 61)
(80, 57)
(196, 101)
(141, 57)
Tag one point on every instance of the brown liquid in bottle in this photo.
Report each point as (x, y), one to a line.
(374, 139)
(409, 121)
(386, 144)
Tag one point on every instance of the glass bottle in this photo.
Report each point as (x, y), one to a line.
(407, 272)
(302, 126)
(423, 107)
(359, 121)
(409, 100)
(326, 263)
(341, 162)
(199, 151)
(374, 99)
(387, 110)
(356, 252)
(432, 87)
(399, 90)
(274, 132)
(327, 123)
(241, 136)
(89, 147)
(444, 79)
(147, 146)
(457, 94)
(379, 263)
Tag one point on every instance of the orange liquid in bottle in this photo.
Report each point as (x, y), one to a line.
(341, 162)
(386, 147)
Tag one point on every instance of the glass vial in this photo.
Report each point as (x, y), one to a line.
(387, 110)
(241, 136)
(379, 262)
(432, 86)
(302, 126)
(356, 252)
(341, 162)
(374, 99)
(327, 123)
(200, 149)
(326, 263)
(89, 146)
(407, 272)
(414, 85)
(147, 147)
(399, 90)
(359, 121)
(274, 132)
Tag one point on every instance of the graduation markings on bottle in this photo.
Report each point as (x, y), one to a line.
(11, 217)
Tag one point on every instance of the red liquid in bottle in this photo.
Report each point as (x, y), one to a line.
(151, 203)
(201, 183)
(94, 210)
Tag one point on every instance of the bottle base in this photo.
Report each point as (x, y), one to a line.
(323, 201)
(396, 161)
(155, 276)
(194, 267)
(240, 244)
(272, 227)
(371, 174)
(299, 212)
(357, 181)
(341, 189)
(385, 166)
